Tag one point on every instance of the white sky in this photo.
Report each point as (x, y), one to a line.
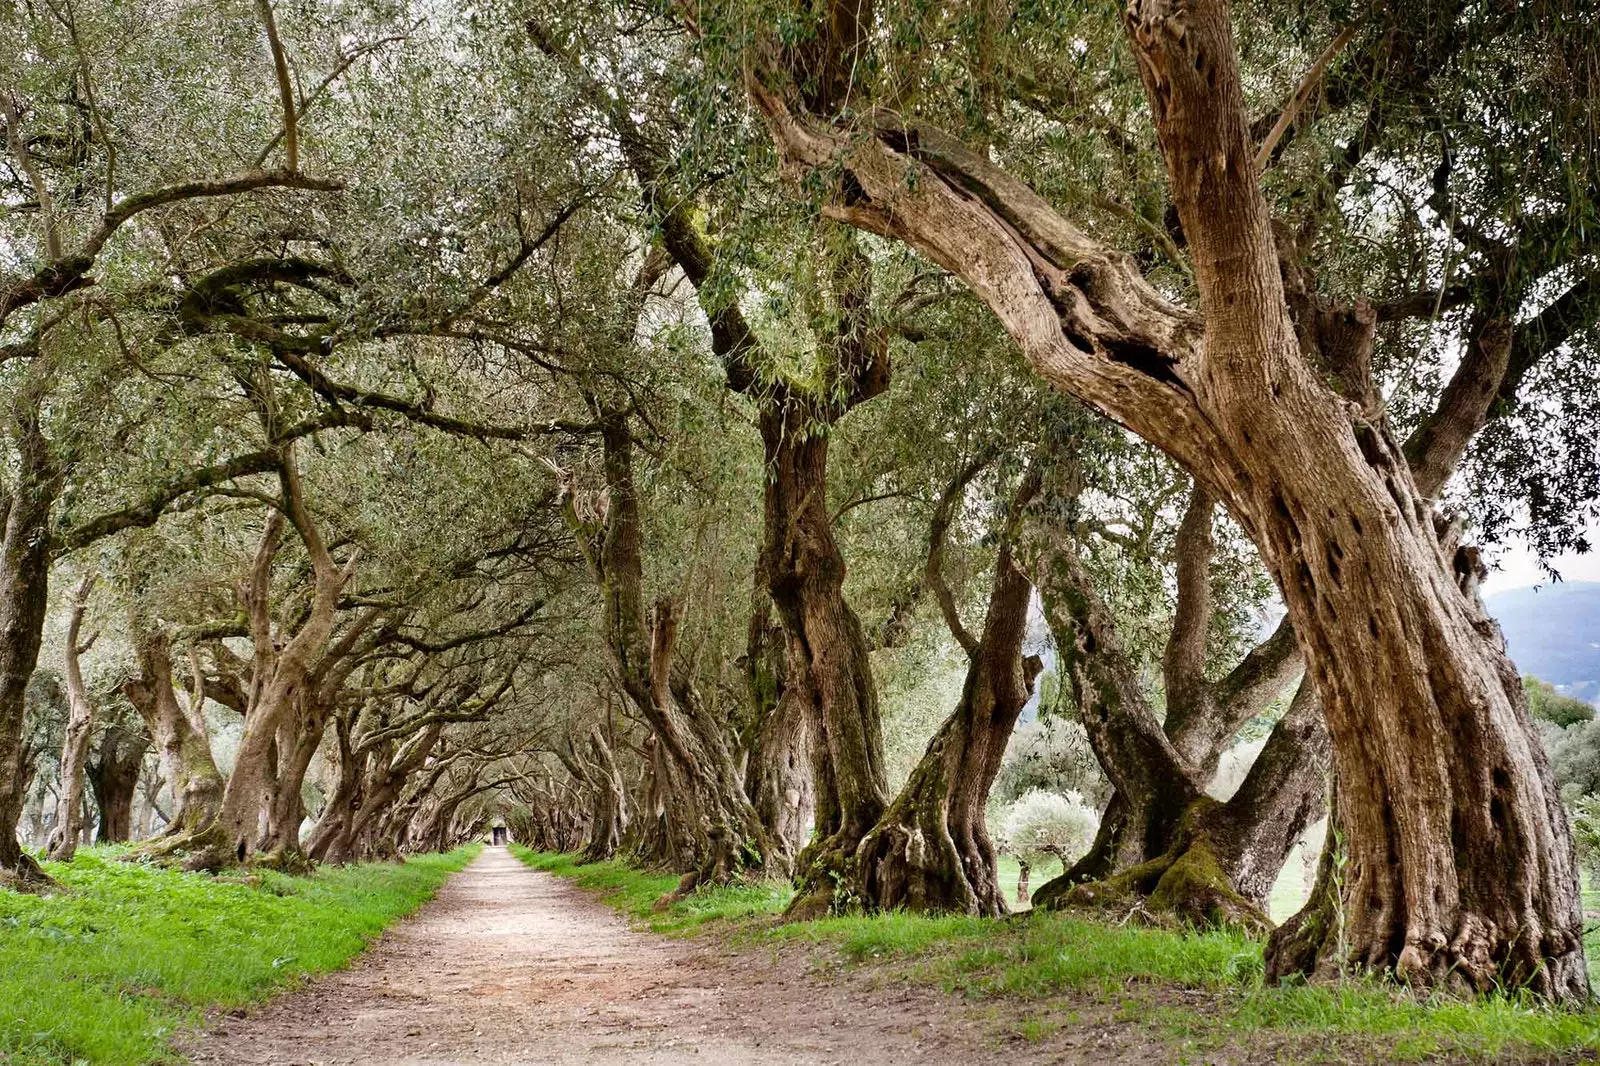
(1518, 567)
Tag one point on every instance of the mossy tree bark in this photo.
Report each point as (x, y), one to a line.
(24, 595)
(931, 851)
(279, 674)
(828, 672)
(1160, 770)
(778, 767)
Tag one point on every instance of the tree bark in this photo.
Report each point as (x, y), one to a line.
(114, 778)
(179, 734)
(63, 842)
(931, 850)
(778, 770)
(710, 830)
(828, 668)
(1461, 862)
(24, 597)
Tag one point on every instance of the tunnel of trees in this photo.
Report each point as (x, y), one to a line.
(783, 438)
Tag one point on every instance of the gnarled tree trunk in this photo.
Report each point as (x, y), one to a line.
(24, 596)
(63, 842)
(931, 850)
(707, 826)
(113, 774)
(179, 735)
(1461, 865)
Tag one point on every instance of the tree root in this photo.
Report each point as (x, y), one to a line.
(28, 877)
(826, 870)
(1188, 886)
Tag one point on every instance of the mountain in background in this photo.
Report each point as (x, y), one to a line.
(1553, 633)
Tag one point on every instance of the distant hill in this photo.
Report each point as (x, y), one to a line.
(1553, 632)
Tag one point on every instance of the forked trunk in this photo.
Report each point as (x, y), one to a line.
(80, 724)
(931, 850)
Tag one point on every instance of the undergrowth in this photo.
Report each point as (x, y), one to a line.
(111, 967)
(1137, 969)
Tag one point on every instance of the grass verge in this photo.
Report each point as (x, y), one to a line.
(1196, 989)
(108, 970)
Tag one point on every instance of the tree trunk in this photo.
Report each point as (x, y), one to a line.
(114, 777)
(179, 735)
(608, 819)
(24, 597)
(931, 850)
(80, 725)
(778, 770)
(708, 827)
(828, 668)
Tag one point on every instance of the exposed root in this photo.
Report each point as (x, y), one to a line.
(1187, 886)
(826, 872)
(28, 877)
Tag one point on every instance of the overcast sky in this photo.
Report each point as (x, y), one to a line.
(1519, 568)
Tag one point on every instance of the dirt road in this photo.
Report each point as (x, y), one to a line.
(509, 965)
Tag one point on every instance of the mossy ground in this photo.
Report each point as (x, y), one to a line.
(1196, 990)
(127, 954)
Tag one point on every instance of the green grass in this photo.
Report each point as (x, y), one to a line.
(1131, 968)
(635, 892)
(109, 969)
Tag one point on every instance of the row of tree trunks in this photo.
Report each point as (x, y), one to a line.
(1461, 863)
(704, 821)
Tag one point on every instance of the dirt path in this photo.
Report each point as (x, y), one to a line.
(509, 965)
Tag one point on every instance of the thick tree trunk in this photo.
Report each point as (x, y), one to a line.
(931, 850)
(24, 596)
(114, 777)
(1161, 839)
(1461, 862)
(80, 725)
(179, 735)
(829, 667)
(778, 770)
(330, 834)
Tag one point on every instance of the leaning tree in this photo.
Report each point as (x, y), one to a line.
(1257, 377)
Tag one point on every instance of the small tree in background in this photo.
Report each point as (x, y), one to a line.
(1044, 824)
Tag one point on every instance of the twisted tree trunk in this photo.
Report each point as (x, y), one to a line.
(706, 825)
(828, 668)
(63, 842)
(1461, 862)
(931, 850)
(179, 735)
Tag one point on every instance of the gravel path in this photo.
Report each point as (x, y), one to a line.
(510, 965)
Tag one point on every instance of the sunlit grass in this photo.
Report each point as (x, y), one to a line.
(1136, 969)
(635, 892)
(108, 969)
